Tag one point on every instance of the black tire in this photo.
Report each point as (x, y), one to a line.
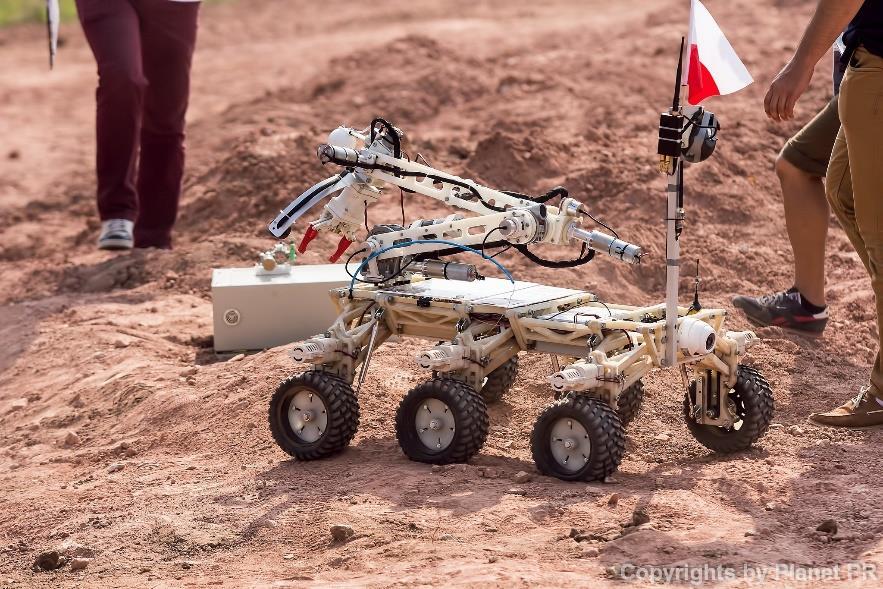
(629, 403)
(603, 429)
(340, 405)
(500, 380)
(470, 421)
(754, 402)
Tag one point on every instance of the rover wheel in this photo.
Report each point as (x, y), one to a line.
(313, 415)
(441, 421)
(578, 438)
(629, 403)
(751, 401)
(500, 380)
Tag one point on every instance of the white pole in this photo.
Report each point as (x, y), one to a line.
(672, 264)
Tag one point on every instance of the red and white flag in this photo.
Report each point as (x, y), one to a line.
(713, 68)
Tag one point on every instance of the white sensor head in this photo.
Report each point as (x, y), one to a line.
(695, 337)
(343, 137)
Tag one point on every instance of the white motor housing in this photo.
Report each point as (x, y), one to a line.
(579, 376)
(743, 339)
(443, 358)
(343, 137)
(695, 337)
(319, 350)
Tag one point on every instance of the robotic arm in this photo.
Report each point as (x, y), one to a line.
(373, 161)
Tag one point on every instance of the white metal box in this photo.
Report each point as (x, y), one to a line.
(253, 312)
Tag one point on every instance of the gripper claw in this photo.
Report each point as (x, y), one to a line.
(341, 247)
(309, 236)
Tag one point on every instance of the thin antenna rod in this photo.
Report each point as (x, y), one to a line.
(676, 101)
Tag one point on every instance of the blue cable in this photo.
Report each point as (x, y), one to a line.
(439, 241)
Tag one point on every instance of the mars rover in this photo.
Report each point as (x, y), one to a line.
(599, 351)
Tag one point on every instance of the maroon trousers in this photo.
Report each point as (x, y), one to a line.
(144, 50)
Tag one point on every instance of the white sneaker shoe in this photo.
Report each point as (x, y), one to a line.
(116, 234)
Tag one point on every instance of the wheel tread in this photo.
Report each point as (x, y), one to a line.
(757, 395)
(342, 408)
(604, 426)
(472, 420)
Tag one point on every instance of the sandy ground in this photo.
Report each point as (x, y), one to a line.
(116, 349)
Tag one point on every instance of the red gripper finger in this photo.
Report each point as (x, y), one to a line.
(341, 247)
(309, 236)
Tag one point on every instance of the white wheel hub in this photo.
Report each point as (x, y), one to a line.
(435, 424)
(570, 444)
(307, 416)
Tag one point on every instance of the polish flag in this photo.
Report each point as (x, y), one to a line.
(713, 68)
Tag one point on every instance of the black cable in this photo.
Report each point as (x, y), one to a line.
(394, 136)
(605, 226)
(558, 264)
(402, 193)
(558, 191)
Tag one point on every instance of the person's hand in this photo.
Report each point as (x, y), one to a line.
(785, 89)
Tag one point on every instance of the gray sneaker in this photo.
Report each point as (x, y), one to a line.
(116, 234)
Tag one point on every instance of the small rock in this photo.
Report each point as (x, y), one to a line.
(190, 371)
(662, 437)
(71, 439)
(13, 154)
(79, 564)
(522, 477)
(288, 557)
(236, 358)
(340, 532)
(516, 491)
(613, 500)
(120, 344)
(115, 467)
(574, 533)
(776, 426)
(795, 430)
(770, 506)
(829, 526)
(437, 468)
(492, 559)
(667, 549)
(639, 517)
(610, 481)
(48, 561)
(590, 553)
(489, 472)
(446, 537)
(750, 533)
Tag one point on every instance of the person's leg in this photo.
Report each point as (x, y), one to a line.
(862, 114)
(112, 31)
(169, 37)
(806, 217)
(801, 167)
(854, 186)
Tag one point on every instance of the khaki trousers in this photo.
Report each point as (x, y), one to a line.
(854, 183)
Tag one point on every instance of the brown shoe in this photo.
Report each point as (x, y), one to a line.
(861, 411)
